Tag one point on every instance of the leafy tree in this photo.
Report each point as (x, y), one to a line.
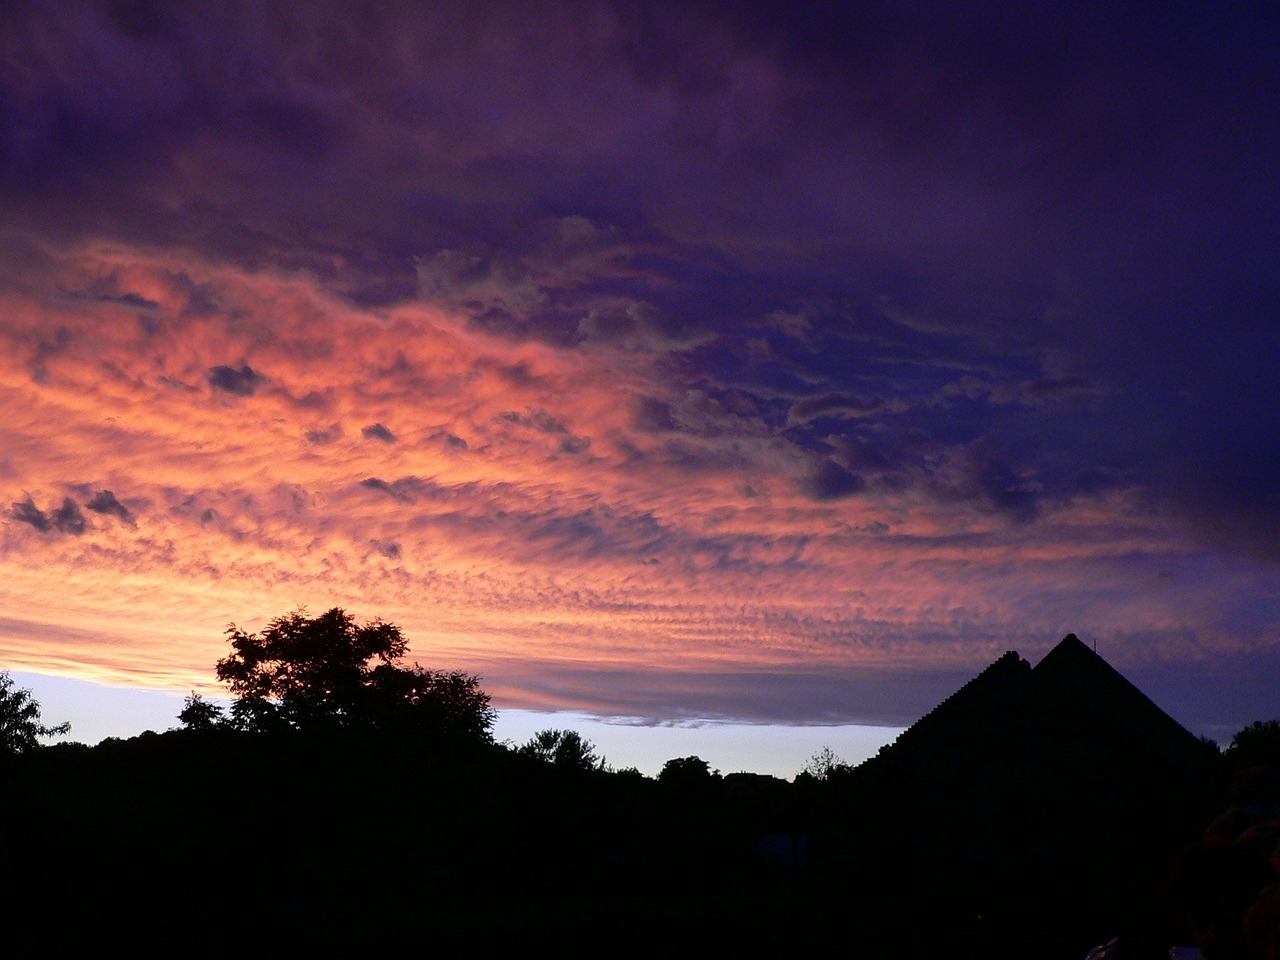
(20, 726)
(431, 701)
(626, 773)
(199, 714)
(328, 672)
(1255, 745)
(686, 771)
(564, 748)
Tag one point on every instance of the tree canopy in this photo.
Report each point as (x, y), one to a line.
(564, 748)
(20, 726)
(329, 672)
(687, 771)
(1256, 744)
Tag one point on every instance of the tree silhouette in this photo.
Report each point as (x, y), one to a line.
(1256, 744)
(564, 748)
(20, 726)
(199, 714)
(825, 764)
(687, 771)
(328, 672)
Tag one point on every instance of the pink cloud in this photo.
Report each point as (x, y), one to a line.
(499, 547)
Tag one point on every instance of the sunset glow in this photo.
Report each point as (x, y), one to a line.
(681, 368)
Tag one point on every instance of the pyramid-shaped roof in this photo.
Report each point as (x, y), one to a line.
(1072, 703)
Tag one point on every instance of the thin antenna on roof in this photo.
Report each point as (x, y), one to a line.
(1095, 644)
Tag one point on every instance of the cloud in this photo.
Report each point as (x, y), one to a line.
(543, 422)
(649, 268)
(832, 404)
(105, 502)
(388, 548)
(128, 299)
(65, 519)
(242, 381)
(406, 489)
(636, 325)
(451, 441)
(981, 474)
(322, 436)
(538, 420)
(26, 511)
(379, 432)
(68, 518)
(382, 486)
(653, 415)
(828, 480)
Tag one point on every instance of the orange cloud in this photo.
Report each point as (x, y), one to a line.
(525, 519)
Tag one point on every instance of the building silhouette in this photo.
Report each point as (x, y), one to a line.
(1037, 808)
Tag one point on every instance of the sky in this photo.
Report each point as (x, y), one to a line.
(676, 368)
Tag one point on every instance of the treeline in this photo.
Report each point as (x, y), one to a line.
(347, 803)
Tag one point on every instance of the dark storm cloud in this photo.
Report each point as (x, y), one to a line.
(26, 511)
(450, 441)
(67, 518)
(830, 481)
(394, 491)
(378, 431)
(979, 474)
(105, 502)
(243, 381)
(1073, 205)
(653, 415)
(129, 299)
(323, 436)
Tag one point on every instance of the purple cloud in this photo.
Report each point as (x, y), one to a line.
(379, 432)
(105, 502)
(243, 381)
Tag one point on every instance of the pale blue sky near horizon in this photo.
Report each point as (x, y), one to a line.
(97, 711)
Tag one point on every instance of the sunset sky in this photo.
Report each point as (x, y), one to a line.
(669, 364)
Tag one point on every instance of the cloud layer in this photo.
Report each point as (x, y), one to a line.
(645, 360)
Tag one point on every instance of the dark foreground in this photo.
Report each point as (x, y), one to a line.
(219, 841)
(1036, 813)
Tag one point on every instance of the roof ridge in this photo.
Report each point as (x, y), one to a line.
(1003, 665)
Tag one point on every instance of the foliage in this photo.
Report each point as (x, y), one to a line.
(564, 748)
(627, 773)
(328, 672)
(20, 726)
(1255, 745)
(436, 701)
(199, 714)
(686, 771)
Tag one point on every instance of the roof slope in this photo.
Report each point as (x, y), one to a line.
(1082, 697)
(1044, 799)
